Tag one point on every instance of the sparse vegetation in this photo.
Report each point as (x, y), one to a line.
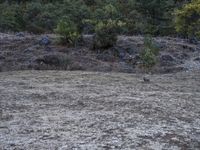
(140, 16)
(106, 34)
(68, 32)
(188, 19)
(149, 53)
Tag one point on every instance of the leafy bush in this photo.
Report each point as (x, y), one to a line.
(150, 44)
(76, 10)
(148, 58)
(149, 53)
(187, 19)
(106, 33)
(40, 18)
(141, 16)
(68, 31)
(110, 12)
(10, 17)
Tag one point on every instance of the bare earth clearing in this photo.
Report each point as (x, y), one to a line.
(83, 110)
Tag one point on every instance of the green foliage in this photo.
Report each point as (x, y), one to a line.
(148, 58)
(76, 10)
(149, 53)
(32, 16)
(68, 31)
(157, 15)
(106, 33)
(153, 17)
(10, 18)
(150, 44)
(188, 19)
(40, 18)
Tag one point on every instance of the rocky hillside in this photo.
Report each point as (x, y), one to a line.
(23, 51)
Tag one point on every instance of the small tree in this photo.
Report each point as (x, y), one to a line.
(187, 19)
(149, 53)
(106, 33)
(68, 32)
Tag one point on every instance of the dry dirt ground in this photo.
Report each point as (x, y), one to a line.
(60, 110)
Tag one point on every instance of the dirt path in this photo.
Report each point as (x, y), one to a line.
(83, 110)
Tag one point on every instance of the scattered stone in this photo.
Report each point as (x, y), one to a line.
(192, 65)
(147, 80)
(2, 57)
(198, 47)
(20, 34)
(28, 50)
(45, 41)
(48, 49)
(173, 69)
(49, 59)
(167, 60)
(106, 57)
(193, 40)
(197, 59)
(76, 66)
(126, 68)
(181, 56)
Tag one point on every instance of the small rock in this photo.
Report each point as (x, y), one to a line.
(192, 65)
(146, 79)
(198, 47)
(49, 59)
(193, 40)
(106, 57)
(181, 56)
(48, 49)
(172, 69)
(44, 41)
(197, 59)
(76, 66)
(2, 57)
(126, 68)
(167, 60)
(20, 34)
(28, 50)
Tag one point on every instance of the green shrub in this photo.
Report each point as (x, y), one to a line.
(76, 10)
(141, 16)
(149, 43)
(106, 34)
(187, 19)
(149, 53)
(10, 17)
(68, 32)
(40, 18)
(110, 12)
(148, 58)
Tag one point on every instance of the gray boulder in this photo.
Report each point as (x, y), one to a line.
(44, 41)
(197, 59)
(167, 60)
(20, 34)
